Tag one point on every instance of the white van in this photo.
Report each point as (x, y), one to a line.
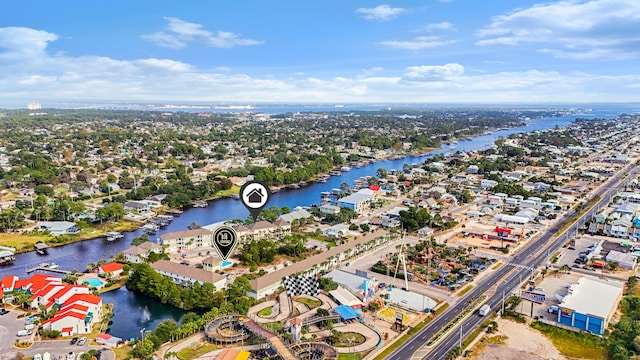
(29, 327)
(24, 332)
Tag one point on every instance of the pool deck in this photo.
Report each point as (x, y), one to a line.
(85, 277)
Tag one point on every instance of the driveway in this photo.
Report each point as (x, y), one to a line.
(58, 350)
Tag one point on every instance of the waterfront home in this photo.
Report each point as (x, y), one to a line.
(136, 206)
(358, 201)
(186, 275)
(137, 254)
(57, 228)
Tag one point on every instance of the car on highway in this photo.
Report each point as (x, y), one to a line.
(73, 341)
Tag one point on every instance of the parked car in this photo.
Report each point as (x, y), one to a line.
(73, 341)
(71, 356)
(37, 357)
(4, 311)
(24, 332)
(82, 341)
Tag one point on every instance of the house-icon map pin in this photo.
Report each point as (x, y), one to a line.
(254, 196)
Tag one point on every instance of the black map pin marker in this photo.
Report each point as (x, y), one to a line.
(254, 196)
(225, 240)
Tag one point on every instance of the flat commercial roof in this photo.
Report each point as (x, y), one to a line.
(352, 281)
(344, 297)
(410, 300)
(593, 296)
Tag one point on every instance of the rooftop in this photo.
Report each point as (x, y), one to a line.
(582, 297)
(186, 271)
(308, 263)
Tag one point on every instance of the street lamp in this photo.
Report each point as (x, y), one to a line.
(142, 335)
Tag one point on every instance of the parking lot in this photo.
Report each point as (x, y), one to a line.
(58, 349)
(550, 286)
(570, 254)
(9, 327)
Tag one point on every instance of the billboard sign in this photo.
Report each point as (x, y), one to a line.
(532, 296)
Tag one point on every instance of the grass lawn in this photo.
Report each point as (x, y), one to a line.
(192, 353)
(265, 312)
(22, 243)
(273, 327)
(355, 356)
(117, 285)
(355, 338)
(123, 352)
(573, 344)
(311, 303)
(222, 193)
(465, 290)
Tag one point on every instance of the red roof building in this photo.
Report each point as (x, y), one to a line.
(77, 309)
(114, 268)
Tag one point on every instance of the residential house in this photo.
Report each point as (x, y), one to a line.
(358, 201)
(57, 228)
(139, 253)
(329, 209)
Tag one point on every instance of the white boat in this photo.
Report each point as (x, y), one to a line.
(113, 235)
(53, 266)
(345, 169)
(200, 204)
(44, 265)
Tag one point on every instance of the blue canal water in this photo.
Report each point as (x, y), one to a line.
(134, 312)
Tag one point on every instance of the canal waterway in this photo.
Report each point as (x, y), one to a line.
(134, 311)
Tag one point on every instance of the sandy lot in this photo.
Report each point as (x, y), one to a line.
(522, 343)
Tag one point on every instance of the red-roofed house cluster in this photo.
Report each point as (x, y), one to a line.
(77, 310)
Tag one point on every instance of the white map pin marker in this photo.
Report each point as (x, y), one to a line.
(254, 196)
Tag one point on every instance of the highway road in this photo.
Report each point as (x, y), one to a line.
(500, 283)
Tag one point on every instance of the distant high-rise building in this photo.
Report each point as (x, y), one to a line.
(34, 105)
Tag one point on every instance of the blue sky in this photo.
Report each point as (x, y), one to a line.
(331, 51)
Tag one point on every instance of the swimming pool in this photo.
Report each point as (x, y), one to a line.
(94, 282)
(226, 263)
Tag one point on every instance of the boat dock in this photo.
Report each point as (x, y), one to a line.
(47, 268)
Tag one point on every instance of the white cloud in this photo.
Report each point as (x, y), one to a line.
(179, 33)
(380, 13)
(24, 42)
(31, 73)
(419, 43)
(433, 73)
(596, 29)
(164, 64)
(445, 25)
